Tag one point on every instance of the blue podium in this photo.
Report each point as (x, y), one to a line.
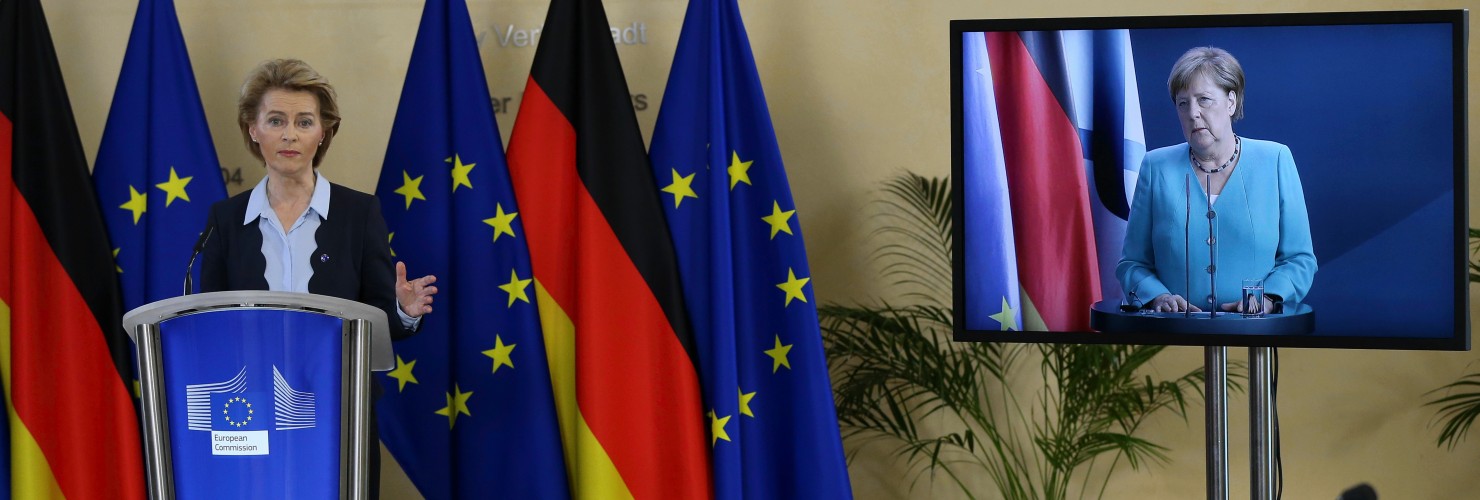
(255, 394)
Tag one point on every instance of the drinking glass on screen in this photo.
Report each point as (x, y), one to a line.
(1252, 299)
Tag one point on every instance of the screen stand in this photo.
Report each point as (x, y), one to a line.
(1261, 423)
(1215, 380)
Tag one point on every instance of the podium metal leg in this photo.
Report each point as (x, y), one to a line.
(1261, 423)
(355, 459)
(1215, 371)
(156, 430)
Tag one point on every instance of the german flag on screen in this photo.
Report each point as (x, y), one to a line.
(1051, 218)
(621, 350)
(71, 430)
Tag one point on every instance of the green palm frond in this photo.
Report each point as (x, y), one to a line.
(916, 235)
(1459, 405)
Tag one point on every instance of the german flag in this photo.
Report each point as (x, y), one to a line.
(621, 350)
(71, 425)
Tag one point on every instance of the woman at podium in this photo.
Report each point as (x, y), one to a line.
(296, 231)
(1217, 209)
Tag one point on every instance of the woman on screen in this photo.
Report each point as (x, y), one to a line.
(1247, 189)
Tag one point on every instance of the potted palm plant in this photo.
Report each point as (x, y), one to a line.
(1036, 433)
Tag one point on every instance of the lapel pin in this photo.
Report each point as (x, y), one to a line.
(324, 258)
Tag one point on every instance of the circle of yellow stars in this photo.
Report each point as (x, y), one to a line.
(226, 410)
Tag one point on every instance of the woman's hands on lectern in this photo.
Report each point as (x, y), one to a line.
(1167, 302)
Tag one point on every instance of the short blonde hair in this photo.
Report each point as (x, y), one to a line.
(1220, 66)
(291, 75)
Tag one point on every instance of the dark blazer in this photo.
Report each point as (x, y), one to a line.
(358, 266)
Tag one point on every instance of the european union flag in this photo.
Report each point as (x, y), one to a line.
(156, 174)
(468, 411)
(768, 401)
(993, 300)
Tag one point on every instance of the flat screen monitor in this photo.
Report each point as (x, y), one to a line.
(1283, 180)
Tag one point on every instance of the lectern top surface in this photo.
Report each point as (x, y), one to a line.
(381, 357)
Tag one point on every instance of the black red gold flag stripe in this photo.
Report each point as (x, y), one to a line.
(63, 353)
(605, 264)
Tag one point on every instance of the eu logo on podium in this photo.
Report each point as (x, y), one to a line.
(239, 418)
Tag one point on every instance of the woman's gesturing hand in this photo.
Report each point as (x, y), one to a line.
(415, 296)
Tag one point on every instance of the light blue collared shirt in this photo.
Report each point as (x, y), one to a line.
(288, 251)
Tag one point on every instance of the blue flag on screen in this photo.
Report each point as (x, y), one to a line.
(768, 401)
(993, 298)
(156, 174)
(468, 411)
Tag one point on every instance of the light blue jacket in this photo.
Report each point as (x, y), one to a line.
(1261, 229)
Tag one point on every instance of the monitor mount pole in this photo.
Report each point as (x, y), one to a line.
(1215, 380)
(1261, 422)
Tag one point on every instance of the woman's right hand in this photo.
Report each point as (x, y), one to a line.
(1167, 302)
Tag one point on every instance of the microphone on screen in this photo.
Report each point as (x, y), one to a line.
(1187, 243)
(1212, 255)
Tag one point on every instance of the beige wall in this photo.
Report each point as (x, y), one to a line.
(858, 91)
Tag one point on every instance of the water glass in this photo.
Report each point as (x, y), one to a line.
(1252, 298)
